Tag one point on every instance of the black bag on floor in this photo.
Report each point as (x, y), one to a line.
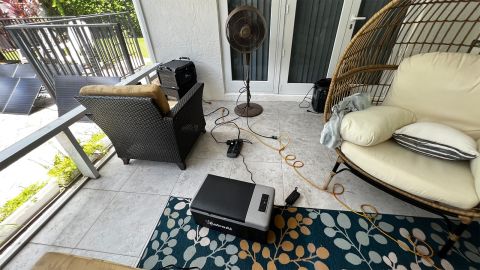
(320, 93)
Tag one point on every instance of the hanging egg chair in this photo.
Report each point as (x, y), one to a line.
(398, 40)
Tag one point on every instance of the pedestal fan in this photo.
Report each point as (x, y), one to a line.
(245, 30)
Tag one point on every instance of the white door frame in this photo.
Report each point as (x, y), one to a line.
(260, 87)
(343, 35)
(282, 21)
(345, 32)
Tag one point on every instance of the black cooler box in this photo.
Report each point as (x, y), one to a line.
(234, 207)
(177, 77)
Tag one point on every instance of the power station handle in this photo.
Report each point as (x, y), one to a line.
(357, 18)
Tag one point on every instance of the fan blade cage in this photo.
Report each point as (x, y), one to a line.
(245, 29)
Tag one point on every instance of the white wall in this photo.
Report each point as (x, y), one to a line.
(188, 28)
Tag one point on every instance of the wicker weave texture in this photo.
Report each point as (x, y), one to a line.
(401, 29)
(138, 130)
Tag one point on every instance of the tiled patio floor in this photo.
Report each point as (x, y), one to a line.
(112, 217)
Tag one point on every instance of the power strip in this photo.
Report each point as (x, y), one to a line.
(234, 148)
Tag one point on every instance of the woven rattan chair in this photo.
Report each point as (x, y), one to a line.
(138, 130)
(401, 29)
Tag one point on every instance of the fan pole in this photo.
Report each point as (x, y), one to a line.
(248, 109)
(247, 59)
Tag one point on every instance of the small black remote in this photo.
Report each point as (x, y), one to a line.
(292, 198)
(234, 148)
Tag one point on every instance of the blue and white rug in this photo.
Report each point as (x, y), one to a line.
(305, 238)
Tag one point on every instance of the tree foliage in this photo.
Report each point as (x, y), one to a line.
(82, 7)
(19, 8)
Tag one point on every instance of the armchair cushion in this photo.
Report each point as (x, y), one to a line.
(150, 90)
(444, 181)
(374, 125)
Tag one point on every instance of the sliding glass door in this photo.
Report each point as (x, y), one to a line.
(305, 39)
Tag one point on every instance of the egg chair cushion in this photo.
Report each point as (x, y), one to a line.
(444, 181)
(437, 140)
(475, 167)
(440, 87)
(374, 125)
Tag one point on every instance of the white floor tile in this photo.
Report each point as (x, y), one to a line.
(154, 178)
(309, 195)
(125, 225)
(113, 175)
(68, 226)
(264, 173)
(197, 169)
(207, 148)
(301, 125)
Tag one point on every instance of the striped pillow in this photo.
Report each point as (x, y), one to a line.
(437, 140)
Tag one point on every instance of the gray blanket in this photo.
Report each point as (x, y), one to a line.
(331, 130)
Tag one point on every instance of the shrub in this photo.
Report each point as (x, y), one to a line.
(94, 145)
(65, 170)
(11, 205)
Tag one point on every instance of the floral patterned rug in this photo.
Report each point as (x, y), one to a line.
(304, 238)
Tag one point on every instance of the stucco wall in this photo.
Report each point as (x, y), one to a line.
(188, 28)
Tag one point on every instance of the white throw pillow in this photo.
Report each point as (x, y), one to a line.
(437, 140)
(374, 125)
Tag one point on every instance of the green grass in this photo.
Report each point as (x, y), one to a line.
(11, 205)
(143, 47)
(8, 55)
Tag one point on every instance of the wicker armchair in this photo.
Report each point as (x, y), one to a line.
(138, 130)
(404, 28)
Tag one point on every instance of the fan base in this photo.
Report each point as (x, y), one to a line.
(253, 110)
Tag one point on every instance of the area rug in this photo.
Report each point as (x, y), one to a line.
(305, 238)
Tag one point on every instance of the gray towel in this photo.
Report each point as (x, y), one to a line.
(331, 130)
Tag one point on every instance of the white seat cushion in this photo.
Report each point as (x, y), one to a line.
(475, 166)
(440, 87)
(374, 125)
(437, 140)
(448, 182)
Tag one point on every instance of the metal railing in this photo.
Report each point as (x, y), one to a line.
(59, 129)
(9, 52)
(91, 45)
(121, 18)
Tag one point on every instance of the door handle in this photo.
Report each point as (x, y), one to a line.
(353, 18)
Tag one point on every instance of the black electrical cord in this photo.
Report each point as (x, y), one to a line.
(258, 134)
(248, 170)
(228, 122)
(217, 124)
(306, 99)
(246, 108)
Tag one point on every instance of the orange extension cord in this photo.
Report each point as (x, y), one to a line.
(339, 189)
